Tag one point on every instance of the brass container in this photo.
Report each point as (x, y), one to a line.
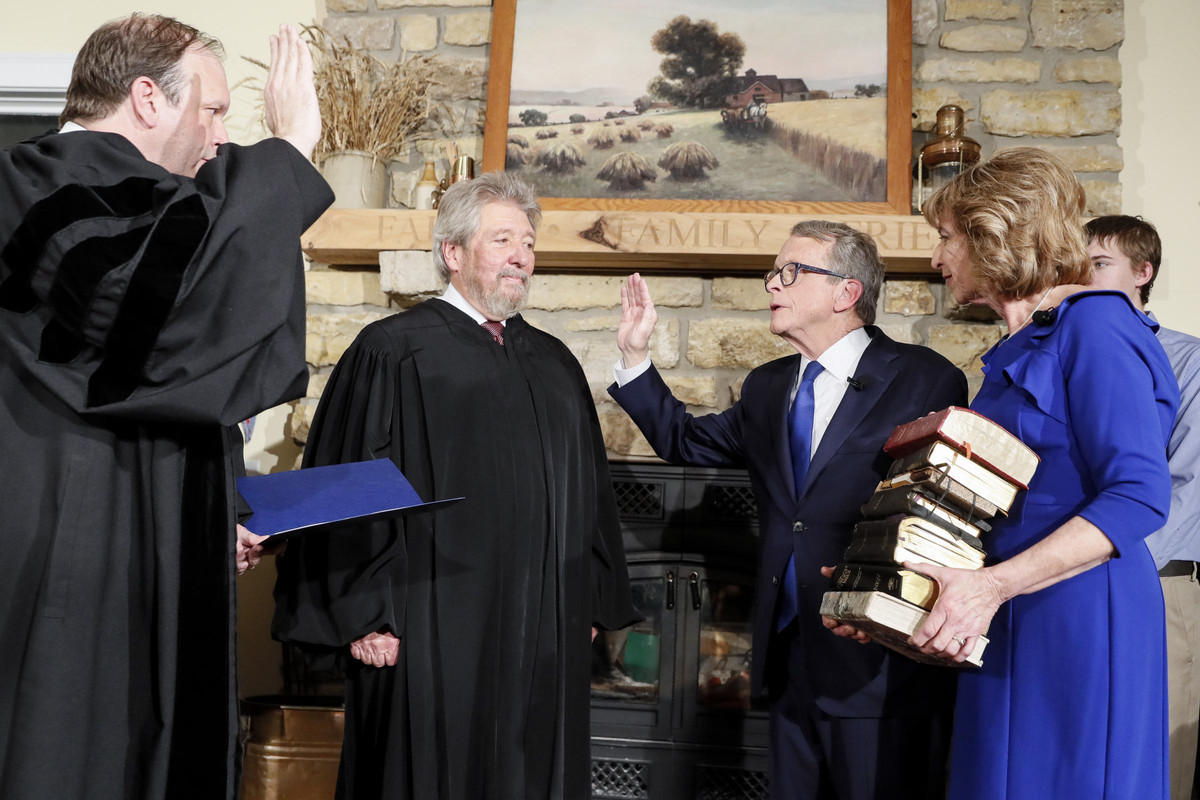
(944, 156)
(461, 169)
(293, 747)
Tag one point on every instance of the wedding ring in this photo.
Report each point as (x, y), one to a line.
(962, 642)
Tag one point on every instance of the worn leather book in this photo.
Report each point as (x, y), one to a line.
(973, 475)
(916, 502)
(946, 491)
(912, 587)
(900, 538)
(972, 434)
(890, 621)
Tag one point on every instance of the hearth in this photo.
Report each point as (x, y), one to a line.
(671, 710)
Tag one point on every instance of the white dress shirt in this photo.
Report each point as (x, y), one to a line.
(454, 297)
(840, 361)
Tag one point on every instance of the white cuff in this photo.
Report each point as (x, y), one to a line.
(624, 376)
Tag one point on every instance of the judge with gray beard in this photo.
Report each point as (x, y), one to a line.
(467, 628)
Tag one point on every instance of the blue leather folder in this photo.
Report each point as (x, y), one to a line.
(325, 498)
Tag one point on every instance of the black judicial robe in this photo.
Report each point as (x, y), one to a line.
(141, 315)
(493, 597)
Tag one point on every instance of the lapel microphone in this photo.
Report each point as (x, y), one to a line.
(857, 384)
(1044, 319)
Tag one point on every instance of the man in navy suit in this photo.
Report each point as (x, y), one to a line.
(848, 721)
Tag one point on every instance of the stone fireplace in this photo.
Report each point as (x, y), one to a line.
(1027, 72)
(668, 717)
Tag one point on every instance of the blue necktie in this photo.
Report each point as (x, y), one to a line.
(800, 425)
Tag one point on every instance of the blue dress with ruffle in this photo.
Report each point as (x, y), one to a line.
(1071, 700)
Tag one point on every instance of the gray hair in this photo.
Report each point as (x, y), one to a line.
(461, 208)
(853, 254)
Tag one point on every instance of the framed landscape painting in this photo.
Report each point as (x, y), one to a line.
(704, 105)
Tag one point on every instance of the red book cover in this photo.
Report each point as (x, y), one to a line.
(971, 434)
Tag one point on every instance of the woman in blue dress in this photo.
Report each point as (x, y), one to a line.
(1070, 702)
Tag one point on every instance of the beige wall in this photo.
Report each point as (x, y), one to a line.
(1161, 180)
(243, 28)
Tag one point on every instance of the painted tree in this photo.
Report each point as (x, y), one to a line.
(531, 117)
(701, 63)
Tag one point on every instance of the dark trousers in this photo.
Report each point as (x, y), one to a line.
(814, 756)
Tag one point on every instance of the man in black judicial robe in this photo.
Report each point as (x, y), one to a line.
(151, 296)
(469, 625)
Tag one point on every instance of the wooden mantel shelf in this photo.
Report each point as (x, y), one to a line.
(617, 241)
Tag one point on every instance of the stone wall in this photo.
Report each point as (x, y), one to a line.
(457, 31)
(711, 331)
(1042, 72)
(1027, 72)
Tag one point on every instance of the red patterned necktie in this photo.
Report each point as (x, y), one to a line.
(496, 329)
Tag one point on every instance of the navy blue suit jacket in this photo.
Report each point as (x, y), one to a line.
(899, 383)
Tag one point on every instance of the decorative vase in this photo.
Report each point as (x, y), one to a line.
(423, 194)
(358, 179)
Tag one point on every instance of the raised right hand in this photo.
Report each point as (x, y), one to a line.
(376, 649)
(289, 96)
(637, 321)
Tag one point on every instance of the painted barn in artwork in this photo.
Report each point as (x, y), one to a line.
(768, 88)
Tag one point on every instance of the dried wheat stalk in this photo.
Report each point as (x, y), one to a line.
(376, 106)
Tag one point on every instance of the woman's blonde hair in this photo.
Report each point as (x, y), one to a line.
(1020, 212)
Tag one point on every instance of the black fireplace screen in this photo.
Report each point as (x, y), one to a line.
(672, 715)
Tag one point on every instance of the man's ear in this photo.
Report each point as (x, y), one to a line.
(146, 101)
(1143, 274)
(848, 295)
(452, 254)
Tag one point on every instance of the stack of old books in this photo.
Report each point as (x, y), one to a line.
(953, 472)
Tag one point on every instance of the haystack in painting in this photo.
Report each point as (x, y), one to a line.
(514, 156)
(687, 161)
(560, 158)
(601, 139)
(626, 171)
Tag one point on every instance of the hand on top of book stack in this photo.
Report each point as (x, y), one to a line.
(954, 471)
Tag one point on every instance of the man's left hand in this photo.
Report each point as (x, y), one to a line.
(839, 628)
(251, 547)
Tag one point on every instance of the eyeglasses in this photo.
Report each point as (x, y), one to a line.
(789, 271)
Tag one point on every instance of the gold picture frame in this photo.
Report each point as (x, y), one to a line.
(896, 144)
